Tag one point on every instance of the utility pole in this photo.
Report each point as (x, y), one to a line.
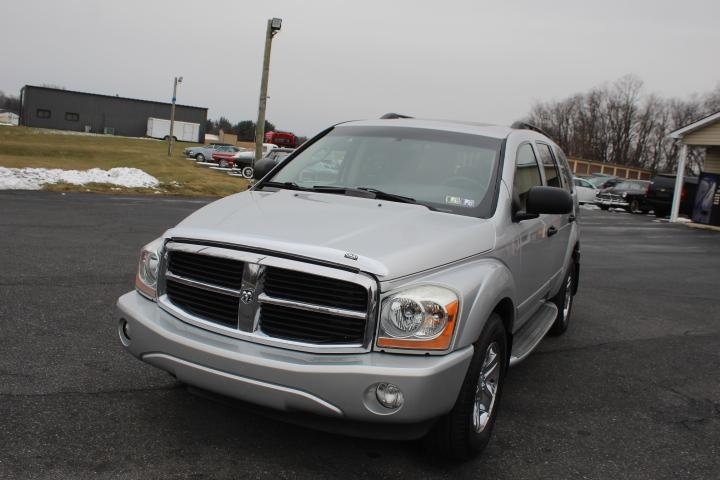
(172, 115)
(273, 27)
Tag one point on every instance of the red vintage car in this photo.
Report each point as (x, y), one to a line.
(223, 156)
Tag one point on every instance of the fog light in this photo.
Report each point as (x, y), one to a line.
(389, 395)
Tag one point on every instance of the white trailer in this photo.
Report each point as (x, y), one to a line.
(182, 131)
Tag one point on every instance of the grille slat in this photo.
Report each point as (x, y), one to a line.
(293, 324)
(309, 288)
(204, 268)
(215, 307)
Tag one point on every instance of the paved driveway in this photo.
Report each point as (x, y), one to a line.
(631, 391)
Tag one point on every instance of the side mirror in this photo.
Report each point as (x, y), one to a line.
(549, 200)
(262, 167)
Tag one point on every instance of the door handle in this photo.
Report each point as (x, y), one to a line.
(551, 231)
(571, 218)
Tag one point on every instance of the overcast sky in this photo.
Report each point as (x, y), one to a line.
(336, 60)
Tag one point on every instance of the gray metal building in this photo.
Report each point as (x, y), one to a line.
(60, 109)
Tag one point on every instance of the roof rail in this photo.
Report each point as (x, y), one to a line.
(392, 116)
(529, 126)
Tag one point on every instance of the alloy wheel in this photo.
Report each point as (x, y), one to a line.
(487, 388)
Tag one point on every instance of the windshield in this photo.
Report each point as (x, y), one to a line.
(447, 171)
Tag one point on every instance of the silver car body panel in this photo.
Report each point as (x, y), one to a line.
(485, 261)
(336, 385)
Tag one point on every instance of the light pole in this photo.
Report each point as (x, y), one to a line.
(273, 27)
(172, 115)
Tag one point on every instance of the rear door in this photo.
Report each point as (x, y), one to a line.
(558, 226)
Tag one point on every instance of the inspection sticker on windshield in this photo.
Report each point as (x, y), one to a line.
(464, 202)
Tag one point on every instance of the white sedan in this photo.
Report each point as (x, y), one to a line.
(586, 191)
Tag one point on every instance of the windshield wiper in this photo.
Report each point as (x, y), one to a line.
(285, 185)
(368, 192)
(387, 196)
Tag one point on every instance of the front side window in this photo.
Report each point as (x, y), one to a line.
(446, 171)
(42, 113)
(527, 173)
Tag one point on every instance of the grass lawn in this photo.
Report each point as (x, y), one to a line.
(40, 148)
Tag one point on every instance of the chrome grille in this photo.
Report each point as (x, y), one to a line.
(268, 300)
(308, 288)
(204, 268)
(306, 326)
(211, 306)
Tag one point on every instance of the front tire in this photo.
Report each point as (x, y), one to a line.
(200, 157)
(247, 172)
(634, 205)
(466, 430)
(223, 163)
(564, 301)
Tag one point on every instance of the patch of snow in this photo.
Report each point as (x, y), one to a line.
(35, 178)
(50, 131)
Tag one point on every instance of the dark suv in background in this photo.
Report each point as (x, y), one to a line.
(660, 194)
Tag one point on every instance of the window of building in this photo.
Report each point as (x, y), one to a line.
(527, 173)
(42, 113)
(72, 116)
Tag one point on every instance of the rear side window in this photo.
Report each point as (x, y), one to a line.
(552, 174)
(565, 170)
(527, 173)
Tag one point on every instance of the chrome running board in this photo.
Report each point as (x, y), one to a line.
(534, 330)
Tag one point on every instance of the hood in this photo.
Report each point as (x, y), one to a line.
(389, 239)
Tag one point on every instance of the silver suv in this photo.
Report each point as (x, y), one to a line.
(379, 282)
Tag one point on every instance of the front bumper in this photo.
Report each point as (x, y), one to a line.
(332, 385)
(611, 202)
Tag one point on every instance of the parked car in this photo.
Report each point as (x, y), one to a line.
(245, 158)
(267, 163)
(628, 194)
(203, 152)
(388, 300)
(661, 190)
(601, 181)
(224, 156)
(586, 191)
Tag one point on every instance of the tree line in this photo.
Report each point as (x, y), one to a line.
(245, 130)
(9, 102)
(620, 123)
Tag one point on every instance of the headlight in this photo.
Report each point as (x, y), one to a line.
(422, 317)
(147, 274)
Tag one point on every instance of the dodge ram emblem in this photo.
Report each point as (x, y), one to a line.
(246, 296)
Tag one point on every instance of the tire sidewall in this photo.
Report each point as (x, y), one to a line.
(455, 431)
(561, 321)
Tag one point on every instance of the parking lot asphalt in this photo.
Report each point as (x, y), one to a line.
(632, 390)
